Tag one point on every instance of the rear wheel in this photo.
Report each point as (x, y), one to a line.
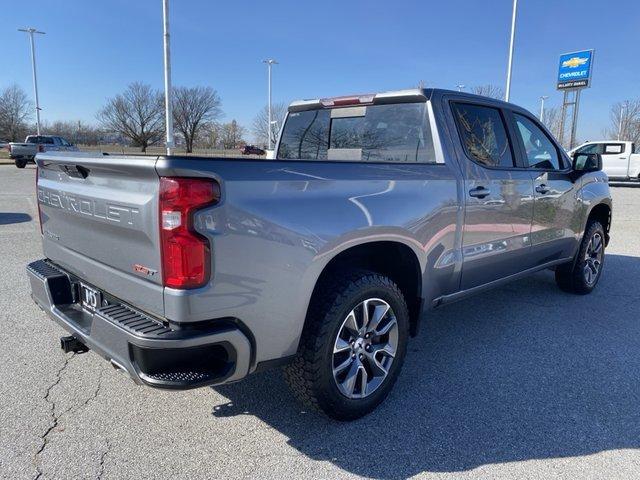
(353, 345)
(582, 275)
(20, 163)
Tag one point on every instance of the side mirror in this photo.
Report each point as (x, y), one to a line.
(587, 162)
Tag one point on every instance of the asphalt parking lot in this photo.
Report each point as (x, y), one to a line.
(521, 382)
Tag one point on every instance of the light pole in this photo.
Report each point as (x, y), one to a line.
(460, 87)
(168, 105)
(507, 92)
(270, 62)
(31, 31)
(542, 99)
(623, 108)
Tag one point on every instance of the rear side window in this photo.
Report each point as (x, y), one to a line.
(483, 134)
(539, 149)
(398, 133)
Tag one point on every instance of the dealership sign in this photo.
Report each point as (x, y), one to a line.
(574, 70)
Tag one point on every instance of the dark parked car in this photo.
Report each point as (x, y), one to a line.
(252, 150)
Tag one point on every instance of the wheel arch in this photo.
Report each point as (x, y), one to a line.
(391, 258)
(602, 213)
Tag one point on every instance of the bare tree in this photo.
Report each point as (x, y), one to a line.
(209, 136)
(193, 108)
(15, 111)
(488, 90)
(231, 135)
(625, 121)
(553, 120)
(136, 114)
(75, 132)
(259, 126)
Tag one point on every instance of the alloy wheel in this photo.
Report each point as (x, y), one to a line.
(365, 348)
(593, 258)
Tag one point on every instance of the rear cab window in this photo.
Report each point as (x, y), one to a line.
(36, 139)
(394, 133)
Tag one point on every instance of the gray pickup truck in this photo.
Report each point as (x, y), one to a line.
(185, 271)
(23, 153)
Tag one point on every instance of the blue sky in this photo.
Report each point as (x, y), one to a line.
(93, 49)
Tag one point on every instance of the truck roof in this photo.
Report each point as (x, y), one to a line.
(394, 96)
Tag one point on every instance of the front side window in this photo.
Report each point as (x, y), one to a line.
(540, 150)
(484, 135)
(398, 133)
(593, 148)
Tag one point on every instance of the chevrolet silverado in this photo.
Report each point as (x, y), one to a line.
(184, 272)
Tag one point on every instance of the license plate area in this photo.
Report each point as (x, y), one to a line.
(90, 298)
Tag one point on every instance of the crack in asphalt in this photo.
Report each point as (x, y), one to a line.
(103, 458)
(74, 408)
(92, 397)
(54, 418)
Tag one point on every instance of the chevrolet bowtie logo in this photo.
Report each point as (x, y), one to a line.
(574, 62)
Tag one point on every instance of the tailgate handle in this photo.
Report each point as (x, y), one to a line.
(76, 171)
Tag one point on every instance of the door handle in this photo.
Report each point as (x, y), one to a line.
(479, 192)
(542, 189)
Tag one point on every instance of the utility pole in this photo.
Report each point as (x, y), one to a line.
(270, 62)
(507, 93)
(168, 105)
(31, 31)
(460, 87)
(542, 99)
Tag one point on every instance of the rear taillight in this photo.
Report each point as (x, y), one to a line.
(37, 199)
(186, 254)
(40, 148)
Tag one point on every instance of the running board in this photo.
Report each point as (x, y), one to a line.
(462, 294)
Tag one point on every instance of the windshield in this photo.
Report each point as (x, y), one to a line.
(375, 133)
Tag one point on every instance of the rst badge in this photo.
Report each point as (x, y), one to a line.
(141, 269)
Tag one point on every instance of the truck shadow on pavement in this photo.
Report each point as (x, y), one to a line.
(523, 372)
(8, 218)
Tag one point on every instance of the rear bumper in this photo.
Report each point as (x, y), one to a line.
(149, 350)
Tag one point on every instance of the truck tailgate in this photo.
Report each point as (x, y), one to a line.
(100, 222)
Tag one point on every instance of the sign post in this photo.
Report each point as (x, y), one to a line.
(574, 74)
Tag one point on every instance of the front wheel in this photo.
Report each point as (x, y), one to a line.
(582, 275)
(352, 347)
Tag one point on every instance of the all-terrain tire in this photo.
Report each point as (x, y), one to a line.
(571, 277)
(311, 376)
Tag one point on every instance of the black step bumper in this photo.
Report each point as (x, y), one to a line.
(151, 351)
